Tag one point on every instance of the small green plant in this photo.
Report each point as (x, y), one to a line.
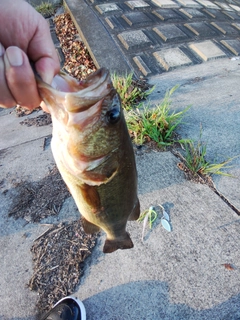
(130, 91)
(46, 9)
(157, 124)
(195, 159)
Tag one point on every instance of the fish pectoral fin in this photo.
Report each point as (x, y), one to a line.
(135, 212)
(97, 178)
(112, 245)
(89, 227)
(91, 196)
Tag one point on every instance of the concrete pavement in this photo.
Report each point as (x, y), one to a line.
(176, 275)
(180, 275)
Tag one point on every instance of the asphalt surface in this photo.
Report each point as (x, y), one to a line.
(183, 274)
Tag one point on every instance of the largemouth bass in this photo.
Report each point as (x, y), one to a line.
(94, 153)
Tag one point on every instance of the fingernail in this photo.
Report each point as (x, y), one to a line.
(2, 50)
(14, 56)
(47, 77)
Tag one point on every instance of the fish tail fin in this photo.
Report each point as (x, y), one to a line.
(112, 245)
(136, 212)
(89, 227)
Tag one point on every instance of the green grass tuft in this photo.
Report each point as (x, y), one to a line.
(157, 124)
(195, 159)
(46, 9)
(129, 90)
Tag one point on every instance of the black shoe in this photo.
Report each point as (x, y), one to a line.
(68, 308)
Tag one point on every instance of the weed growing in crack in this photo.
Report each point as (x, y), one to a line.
(195, 159)
(46, 9)
(157, 124)
(130, 91)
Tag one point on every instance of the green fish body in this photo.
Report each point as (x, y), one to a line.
(94, 153)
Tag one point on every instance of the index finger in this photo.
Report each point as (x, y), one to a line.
(41, 50)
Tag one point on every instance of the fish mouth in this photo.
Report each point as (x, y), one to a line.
(82, 95)
(63, 82)
(73, 101)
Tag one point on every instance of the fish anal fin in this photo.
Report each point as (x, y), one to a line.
(89, 227)
(135, 212)
(112, 245)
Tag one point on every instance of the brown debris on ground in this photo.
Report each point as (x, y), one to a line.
(58, 255)
(78, 62)
(20, 111)
(36, 201)
(59, 252)
(39, 121)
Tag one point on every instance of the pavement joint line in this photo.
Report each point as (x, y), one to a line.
(235, 209)
(25, 142)
(213, 188)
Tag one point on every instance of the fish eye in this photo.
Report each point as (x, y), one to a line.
(113, 115)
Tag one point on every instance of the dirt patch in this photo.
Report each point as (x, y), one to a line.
(59, 252)
(58, 255)
(39, 121)
(20, 111)
(36, 201)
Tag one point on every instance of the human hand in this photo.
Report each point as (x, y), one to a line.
(24, 36)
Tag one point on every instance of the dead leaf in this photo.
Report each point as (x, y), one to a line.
(78, 62)
(228, 266)
(181, 166)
